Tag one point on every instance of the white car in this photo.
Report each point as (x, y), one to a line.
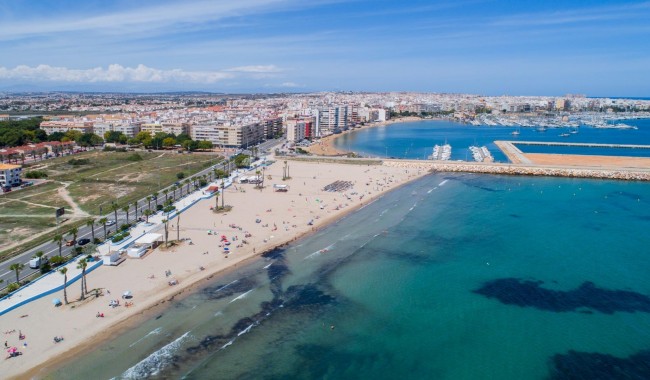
(110, 222)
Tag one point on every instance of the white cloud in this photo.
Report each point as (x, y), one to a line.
(290, 85)
(113, 73)
(255, 69)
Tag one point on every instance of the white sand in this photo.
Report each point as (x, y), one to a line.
(287, 219)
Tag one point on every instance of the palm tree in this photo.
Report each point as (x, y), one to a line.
(114, 208)
(216, 202)
(148, 198)
(74, 231)
(187, 183)
(64, 272)
(40, 255)
(166, 192)
(126, 212)
(135, 206)
(103, 221)
(174, 193)
(17, 267)
(224, 191)
(166, 230)
(155, 195)
(82, 265)
(147, 213)
(58, 239)
(91, 223)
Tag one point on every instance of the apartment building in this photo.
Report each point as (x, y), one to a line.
(129, 130)
(64, 126)
(165, 127)
(229, 135)
(332, 119)
(10, 175)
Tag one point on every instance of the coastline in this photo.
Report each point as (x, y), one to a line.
(151, 299)
(325, 146)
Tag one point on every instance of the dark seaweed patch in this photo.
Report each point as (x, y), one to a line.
(525, 293)
(274, 254)
(306, 295)
(514, 216)
(597, 366)
(276, 273)
(226, 290)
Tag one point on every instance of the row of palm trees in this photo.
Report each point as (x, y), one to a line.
(73, 232)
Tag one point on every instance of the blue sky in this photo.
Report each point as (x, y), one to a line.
(600, 48)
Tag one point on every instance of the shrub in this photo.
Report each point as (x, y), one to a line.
(169, 208)
(159, 207)
(180, 175)
(35, 174)
(78, 162)
(113, 149)
(57, 260)
(134, 157)
(97, 241)
(46, 268)
(121, 236)
(13, 286)
(125, 226)
(203, 182)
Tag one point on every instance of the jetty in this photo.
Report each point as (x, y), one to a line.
(588, 145)
(481, 154)
(441, 153)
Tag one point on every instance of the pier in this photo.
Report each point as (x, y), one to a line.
(587, 145)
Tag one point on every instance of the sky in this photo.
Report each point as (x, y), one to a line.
(513, 47)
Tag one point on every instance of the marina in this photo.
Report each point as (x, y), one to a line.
(441, 153)
(481, 154)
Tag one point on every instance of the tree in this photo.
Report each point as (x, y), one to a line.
(58, 239)
(17, 267)
(126, 212)
(147, 213)
(114, 208)
(74, 231)
(204, 145)
(169, 142)
(155, 197)
(166, 192)
(64, 272)
(135, 208)
(91, 223)
(103, 222)
(84, 289)
(165, 222)
(187, 183)
(148, 202)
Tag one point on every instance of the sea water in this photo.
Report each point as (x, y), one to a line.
(454, 276)
(415, 140)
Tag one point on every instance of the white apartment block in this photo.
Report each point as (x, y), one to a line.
(229, 135)
(332, 119)
(10, 175)
(129, 130)
(169, 128)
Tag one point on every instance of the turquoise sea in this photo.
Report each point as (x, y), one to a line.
(459, 276)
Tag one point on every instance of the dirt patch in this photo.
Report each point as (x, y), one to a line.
(584, 160)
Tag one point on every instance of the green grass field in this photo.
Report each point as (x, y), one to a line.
(98, 179)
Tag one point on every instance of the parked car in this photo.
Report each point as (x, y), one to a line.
(83, 241)
(69, 243)
(110, 222)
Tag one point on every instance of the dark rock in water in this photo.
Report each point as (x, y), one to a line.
(514, 215)
(597, 366)
(226, 290)
(526, 293)
(306, 295)
(275, 253)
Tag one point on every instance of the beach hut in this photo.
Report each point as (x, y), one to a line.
(280, 188)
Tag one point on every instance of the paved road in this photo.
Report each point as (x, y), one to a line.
(52, 249)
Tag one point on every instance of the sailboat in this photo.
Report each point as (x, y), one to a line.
(515, 133)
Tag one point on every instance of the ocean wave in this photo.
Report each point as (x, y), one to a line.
(155, 331)
(240, 297)
(156, 362)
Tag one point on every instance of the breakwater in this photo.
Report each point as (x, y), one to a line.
(526, 170)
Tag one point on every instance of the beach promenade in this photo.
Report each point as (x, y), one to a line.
(260, 220)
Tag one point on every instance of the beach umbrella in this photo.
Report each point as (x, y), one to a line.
(56, 301)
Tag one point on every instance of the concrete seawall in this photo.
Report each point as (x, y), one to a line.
(528, 170)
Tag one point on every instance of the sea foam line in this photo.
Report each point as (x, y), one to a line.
(157, 361)
(155, 331)
(242, 296)
(442, 183)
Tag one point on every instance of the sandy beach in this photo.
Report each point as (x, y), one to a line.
(259, 221)
(325, 146)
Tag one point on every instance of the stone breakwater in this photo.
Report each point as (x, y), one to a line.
(505, 169)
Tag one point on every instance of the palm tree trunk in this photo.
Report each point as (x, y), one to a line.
(92, 231)
(65, 288)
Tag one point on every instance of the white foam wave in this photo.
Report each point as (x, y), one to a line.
(227, 344)
(268, 265)
(429, 192)
(320, 251)
(442, 183)
(155, 331)
(218, 313)
(157, 361)
(227, 285)
(247, 329)
(240, 297)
